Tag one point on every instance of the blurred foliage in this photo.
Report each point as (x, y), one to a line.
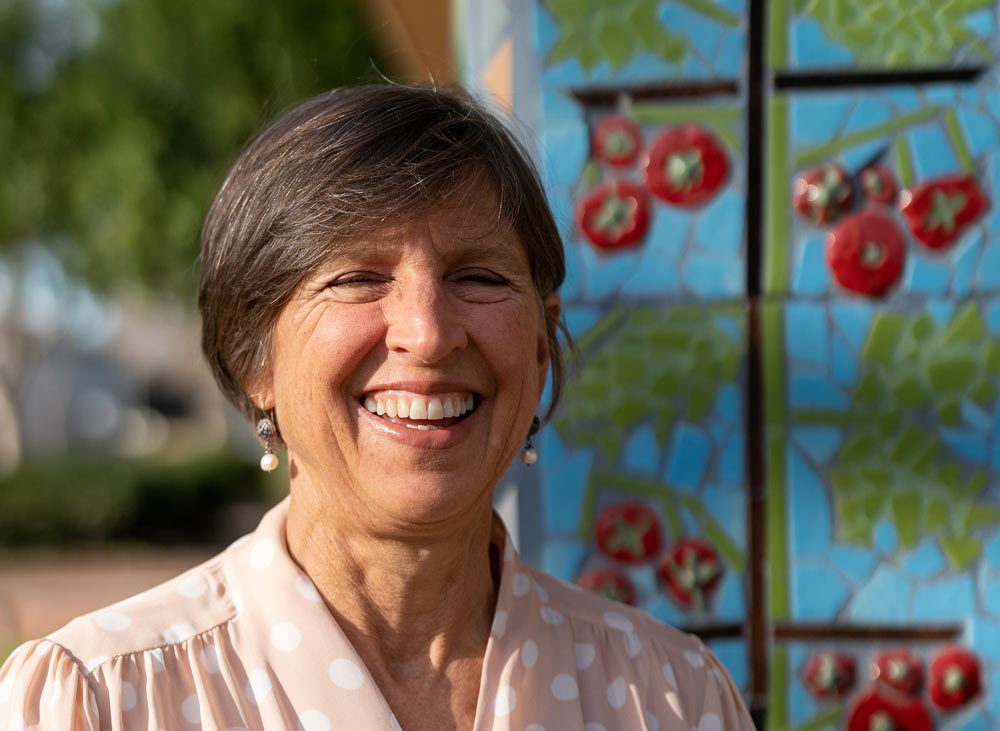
(118, 119)
(74, 500)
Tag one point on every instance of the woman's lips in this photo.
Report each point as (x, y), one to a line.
(419, 411)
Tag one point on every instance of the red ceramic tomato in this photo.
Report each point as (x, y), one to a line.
(609, 583)
(614, 215)
(823, 193)
(878, 184)
(628, 532)
(940, 209)
(899, 669)
(954, 678)
(617, 141)
(878, 711)
(865, 253)
(686, 166)
(829, 674)
(691, 572)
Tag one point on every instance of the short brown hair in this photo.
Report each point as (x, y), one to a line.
(346, 162)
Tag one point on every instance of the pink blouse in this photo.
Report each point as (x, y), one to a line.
(244, 641)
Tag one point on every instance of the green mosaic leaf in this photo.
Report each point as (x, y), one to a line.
(905, 511)
(645, 24)
(909, 444)
(860, 448)
(993, 357)
(983, 393)
(700, 400)
(628, 412)
(949, 412)
(980, 516)
(628, 368)
(882, 338)
(909, 391)
(974, 487)
(589, 56)
(889, 421)
(949, 476)
(921, 328)
(936, 515)
(876, 477)
(951, 373)
(669, 383)
(857, 533)
(852, 509)
(591, 174)
(966, 327)
(870, 389)
(960, 551)
(615, 39)
(874, 503)
(843, 481)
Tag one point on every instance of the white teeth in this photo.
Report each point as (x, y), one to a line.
(371, 404)
(449, 407)
(402, 409)
(423, 427)
(418, 409)
(390, 408)
(381, 407)
(435, 410)
(468, 402)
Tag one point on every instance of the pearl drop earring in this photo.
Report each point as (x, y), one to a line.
(266, 431)
(529, 455)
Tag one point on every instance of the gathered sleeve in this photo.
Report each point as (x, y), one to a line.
(43, 686)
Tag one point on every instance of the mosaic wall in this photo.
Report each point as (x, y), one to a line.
(857, 302)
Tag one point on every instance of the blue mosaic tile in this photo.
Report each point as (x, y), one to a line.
(644, 580)
(852, 319)
(941, 310)
(925, 560)
(991, 598)
(989, 267)
(886, 539)
(924, 276)
(733, 654)
(870, 111)
(945, 95)
(950, 598)
(656, 273)
(713, 277)
(564, 483)
(580, 318)
(993, 679)
(993, 316)
(607, 273)
(562, 557)
(729, 60)
(689, 453)
(903, 98)
(816, 391)
(856, 157)
(730, 326)
(729, 404)
(801, 704)
(806, 332)
(642, 452)
(817, 118)
(731, 460)
(981, 22)
(702, 32)
(810, 48)
(885, 598)
(565, 149)
(966, 260)
(932, 153)
(976, 416)
(730, 601)
(819, 442)
(809, 514)
(980, 130)
(856, 562)
(845, 363)
(820, 591)
(978, 721)
(660, 608)
(811, 275)
(985, 637)
(970, 445)
(992, 550)
(691, 526)
(727, 505)
(557, 104)
(695, 68)
(720, 228)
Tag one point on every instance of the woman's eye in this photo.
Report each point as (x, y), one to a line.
(356, 279)
(481, 277)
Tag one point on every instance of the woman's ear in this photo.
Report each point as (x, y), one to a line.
(551, 309)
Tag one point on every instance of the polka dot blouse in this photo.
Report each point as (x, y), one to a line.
(244, 641)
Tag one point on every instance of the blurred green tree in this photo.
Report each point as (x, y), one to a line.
(119, 118)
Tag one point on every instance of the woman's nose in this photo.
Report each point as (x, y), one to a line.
(424, 322)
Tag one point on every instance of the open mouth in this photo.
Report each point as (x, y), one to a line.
(424, 413)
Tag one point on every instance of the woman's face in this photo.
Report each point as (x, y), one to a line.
(435, 319)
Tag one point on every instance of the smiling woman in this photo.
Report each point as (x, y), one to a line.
(379, 293)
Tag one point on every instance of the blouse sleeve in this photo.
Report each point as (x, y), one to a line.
(722, 707)
(43, 686)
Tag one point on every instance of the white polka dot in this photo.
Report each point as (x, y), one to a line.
(564, 687)
(710, 722)
(191, 709)
(675, 704)
(617, 620)
(313, 721)
(529, 653)
(668, 675)
(542, 593)
(534, 727)
(209, 657)
(285, 636)
(505, 702)
(345, 674)
(128, 696)
(5, 688)
(616, 692)
(551, 616)
(95, 663)
(113, 621)
(633, 645)
(307, 589)
(594, 726)
(53, 692)
(259, 687)
(394, 723)
(652, 722)
(500, 623)
(695, 659)
(584, 654)
(17, 722)
(43, 647)
(193, 586)
(520, 584)
(178, 633)
(262, 553)
(156, 660)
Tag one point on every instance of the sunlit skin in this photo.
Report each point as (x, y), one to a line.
(393, 524)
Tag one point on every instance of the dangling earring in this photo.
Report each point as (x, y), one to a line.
(528, 455)
(266, 431)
